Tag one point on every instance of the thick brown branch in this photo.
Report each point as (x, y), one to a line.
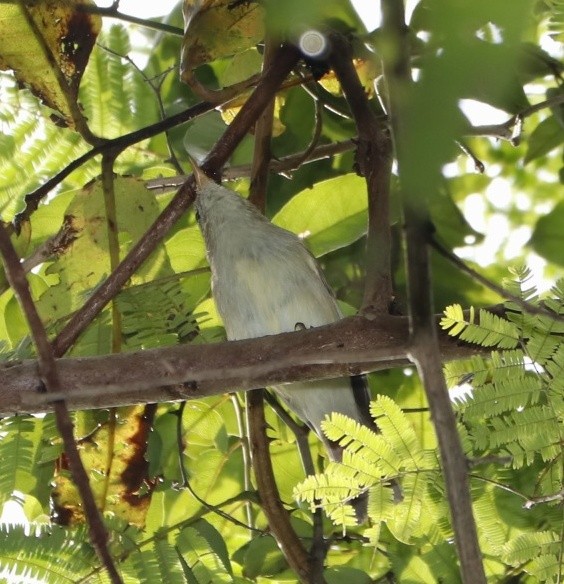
(374, 162)
(348, 347)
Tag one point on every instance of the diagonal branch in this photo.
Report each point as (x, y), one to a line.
(263, 136)
(49, 379)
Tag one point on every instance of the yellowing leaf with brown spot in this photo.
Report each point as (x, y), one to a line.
(47, 45)
(112, 448)
(219, 28)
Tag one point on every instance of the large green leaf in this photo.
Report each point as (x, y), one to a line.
(328, 216)
(547, 136)
(548, 237)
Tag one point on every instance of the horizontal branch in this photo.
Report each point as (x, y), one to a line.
(284, 164)
(349, 347)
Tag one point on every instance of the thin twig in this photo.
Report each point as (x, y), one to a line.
(246, 452)
(503, 292)
(533, 501)
(321, 95)
(112, 230)
(374, 162)
(115, 145)
(479, 166)
(317, 130)
(217, 96)
(499, 485)
(51, 382)
(511, 129)
(156, 89)
(185, 481)
(279, 166)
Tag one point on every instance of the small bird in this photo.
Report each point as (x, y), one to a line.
(265, 282)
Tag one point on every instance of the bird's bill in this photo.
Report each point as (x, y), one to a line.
(199, 174)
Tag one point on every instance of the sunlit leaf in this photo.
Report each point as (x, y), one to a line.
(330, 215)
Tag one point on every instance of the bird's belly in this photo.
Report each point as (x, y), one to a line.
(270, 300)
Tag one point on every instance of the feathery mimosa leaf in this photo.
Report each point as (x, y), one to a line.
(491, 330)
(397, 431)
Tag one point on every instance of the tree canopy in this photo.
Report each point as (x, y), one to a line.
(134, 442)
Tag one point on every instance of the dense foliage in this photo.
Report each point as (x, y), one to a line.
(174, 480)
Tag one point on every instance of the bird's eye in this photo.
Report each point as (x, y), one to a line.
(198, 216)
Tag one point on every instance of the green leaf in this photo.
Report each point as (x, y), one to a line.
(548, 135)
(452, 227)
(204, 563)
(43, 149)
(491, 330)
(53, 555)
(215, 541)
(116, 97)
(331, 215)
(548, 236)
(86, 261)
(397, 431)
(261, 557)
(17, 450)
(405, 520)
(346, 574)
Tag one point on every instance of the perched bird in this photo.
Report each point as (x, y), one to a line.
(265, 282)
